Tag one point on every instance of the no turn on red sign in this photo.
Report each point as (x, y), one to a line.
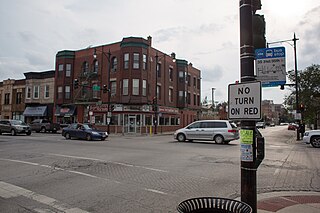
(244, 101)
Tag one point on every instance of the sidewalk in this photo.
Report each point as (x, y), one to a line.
(289, 202)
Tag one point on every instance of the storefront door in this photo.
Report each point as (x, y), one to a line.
(132, 124)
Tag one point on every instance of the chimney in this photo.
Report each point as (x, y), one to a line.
(149, 40)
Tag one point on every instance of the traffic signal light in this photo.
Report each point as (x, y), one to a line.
(75, 83)
(154, 100)
(259, 31)
(105, 88)
(112, 107)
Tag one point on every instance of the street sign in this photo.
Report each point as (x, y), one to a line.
(244, 101)
(271, 66)
(96, 88)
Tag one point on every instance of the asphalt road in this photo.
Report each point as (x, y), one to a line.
(47, 173)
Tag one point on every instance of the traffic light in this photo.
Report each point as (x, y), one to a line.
(112, 107)
(105, 88)
(259, 31)
(76, 83)
(154, 100)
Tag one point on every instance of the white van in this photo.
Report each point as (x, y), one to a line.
(220, 131)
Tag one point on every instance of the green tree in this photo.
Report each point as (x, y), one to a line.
(309, 92)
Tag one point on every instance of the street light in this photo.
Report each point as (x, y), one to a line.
(108, 87)
(296, 74)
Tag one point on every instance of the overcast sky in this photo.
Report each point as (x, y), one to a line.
(204, 32)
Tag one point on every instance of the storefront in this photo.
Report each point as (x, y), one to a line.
(134, 119)
(34, 112)
(65, 114)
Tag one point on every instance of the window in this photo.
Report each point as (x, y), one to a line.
(181, 76)
(194, 99)
(68, 70)
(18, 97)
(126, 61)
(170, 74)
(194, 82)
(188, 79)
(67, 94)
(181, 97)
(28, 92)
(189, 98)
(85, 67)
(136, 57)
(113, 87)
(125, 87)
(144, 60)
(36, 90)
(170, 95)
(144, 87)
(114, 65)
(96, 66)
(159, 70)
(60, 94)
(46, 91)
(7, 98)
(135, 86)
(60, 67)
(220, 125)
(95, 92)
(198, 83)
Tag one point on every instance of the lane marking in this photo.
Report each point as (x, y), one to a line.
(8, 190)
(73, 172)
(118, 163)
(155, 191)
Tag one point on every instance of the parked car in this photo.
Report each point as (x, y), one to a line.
(293, 126)
(44, 125)
(220, 131)
(14, 127)
(83, 131)
(312, 137)
(261, 125)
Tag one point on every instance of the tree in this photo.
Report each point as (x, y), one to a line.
(309, 92)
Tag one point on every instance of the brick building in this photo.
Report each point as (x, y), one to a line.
(39, 95)
(12, 93)
(115, 85)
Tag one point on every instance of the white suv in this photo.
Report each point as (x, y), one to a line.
(220, 131)
(313, 137)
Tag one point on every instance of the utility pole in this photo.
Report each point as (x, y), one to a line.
(213, 89)
(296, 81)
(248, 169)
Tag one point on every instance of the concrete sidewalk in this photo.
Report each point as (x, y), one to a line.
(289, 202)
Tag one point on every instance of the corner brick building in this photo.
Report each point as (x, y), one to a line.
(115, 85)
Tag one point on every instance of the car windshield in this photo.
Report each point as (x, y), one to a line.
(17, 122)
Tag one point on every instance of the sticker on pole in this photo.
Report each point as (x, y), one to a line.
(244, 101)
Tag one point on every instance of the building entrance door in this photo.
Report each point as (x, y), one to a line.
(132, 124)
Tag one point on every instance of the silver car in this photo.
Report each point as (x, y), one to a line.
(14, 127)
(220, 131)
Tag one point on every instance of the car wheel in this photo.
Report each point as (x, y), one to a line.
(67, 136)
(88, 137)
(28, 133)
(103, 139)
(13, 132)
(315, 142)
(181, 137)
(0, 133)
(219, 139)
(43, 129)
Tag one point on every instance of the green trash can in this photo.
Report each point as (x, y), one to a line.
(213, 205)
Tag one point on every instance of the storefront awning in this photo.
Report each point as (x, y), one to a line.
(66, 111)
(35, 111)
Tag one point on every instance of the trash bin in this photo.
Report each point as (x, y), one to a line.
(213, 205)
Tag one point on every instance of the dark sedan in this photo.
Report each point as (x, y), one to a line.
(83, 131)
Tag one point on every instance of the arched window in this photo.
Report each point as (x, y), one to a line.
(95, 66)
(85, 67)
(114, 63)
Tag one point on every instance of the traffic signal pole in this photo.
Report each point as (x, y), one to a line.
(248, 168)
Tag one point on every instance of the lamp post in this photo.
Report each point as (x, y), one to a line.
(213, 89)
(295, 74)
(108, 88)
(156, 98)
